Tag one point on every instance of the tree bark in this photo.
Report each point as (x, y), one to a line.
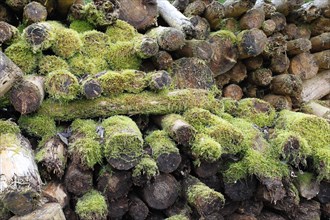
(48, 211)
(316, 87)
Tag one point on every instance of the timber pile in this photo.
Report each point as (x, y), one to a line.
(121, 109)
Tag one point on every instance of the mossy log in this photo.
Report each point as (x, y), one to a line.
(286, 84)
(234, 8)
(322, 59)
(168, 38)
(230, 24)
(55, 192)
(162, 60)
(138, 210)
(20, 182)
(193, 73)
(253, 18)
(279, 102)
(316, 87)
(28, 95)
(143, 103)
(298, 46)
(78, 182)
(251, 43)
(261, 77)
(92, 205)
(8, 33)
(34, 12)
(268, 27)
(233, 91)
(40, 36)
(320, 42)
(195, 8)
(159, 80)
(164, 151)
(214, 12)
(316, 108)
(307, 185)
(10, 73)
(175, 18)
(48, 211)
(303, 65)
(91, 88)
(114, 184)
(146, 47)
(145, 171)
(195, 48)
(162, 192)
(225, 52)
(201, 26)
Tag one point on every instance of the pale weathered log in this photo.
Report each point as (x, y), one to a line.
(49, 211)
(306, 13)
(55, 192)
(317, 109)
(316, 87)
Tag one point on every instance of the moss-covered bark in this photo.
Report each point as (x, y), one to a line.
(92, 206)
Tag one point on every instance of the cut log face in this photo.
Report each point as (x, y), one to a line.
(138, 210)
(233, 91)
(34, 12)
(55, 192)
(241, 190)
(251, 43)
(322, 59)
(214, 13)
(286, 84)
(162, 60)
(196, 48)
(8, 32)
(235, 8)
(298, 46)
(321, 42)
(238, 73)
(279, 102)
(304, 66)
(139, 13)
(118, 208)
(201, 26)
(260, 77)
(78, 182)
(253, 18)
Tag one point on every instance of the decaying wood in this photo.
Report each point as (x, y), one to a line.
(6, 14)
(316, 87)
(253, 18)
(180, 4)
(91, 88)
(322, 59)
(138, 210)
(234, 8)
(118, 208)
(78, 182)
(286, 6)
(202, 27)
(48, 211)
(194, 8)
(238, 73)
(146, 47)
(298, 46)
(317, 109)
(279, 102)
(279, 63)
(196, 48)
(206, 169)
(304, 66)
(241, 190)
(55, 192)
(159, 80)
(320, 42)
(253, 63)
(320, 26)
(279, 20)
(251, 43)
(8, 32)
(168, 38)
(162, 60)
(286, 84)
(268, 27)
(34, 12)
(260, 77)
(214, 13)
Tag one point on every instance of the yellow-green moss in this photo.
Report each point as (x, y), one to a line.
(95, 43)
(62, 85)
(80, 64)
(122, 55)
(92, 206)
(161, 143)
(230, 105)
(38, 125)
(8, 127)
(224, 34)
(81, 26)
(9, 140)
(99, 16)
(43, 42)
(315, 130)
(321, 163)
(304, 180)
(206, 148)
(121, 31)
(177, 217)
(67, 43)
(21, 54)
(51, 63)
(146, 166)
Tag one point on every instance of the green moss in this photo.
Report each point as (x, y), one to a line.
(67, 43)
(161, 143)
(38, 125)
(4, 102)
(206, 149)
(51, 63)
(8, 127)
(135, 80)
(168, 122)
(95, 43)
(304, 180)
(62, 85)
(315, 130)
(178, 217)
(99, 16)
(80, 64)
(81, 26)
(121, 31)
(9, 140)
(256, 111)
(122, 55)
(321, 163)
(45, 38)
(147, 166)
(224, 34)
(21, 54)
(123, 138)
(230, 105)
(92, 206)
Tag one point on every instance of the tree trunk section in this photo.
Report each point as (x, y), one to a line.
(234, 8)
(214, 13)
(298, 46)
(162, 60)
(168, 38)
(78, 182)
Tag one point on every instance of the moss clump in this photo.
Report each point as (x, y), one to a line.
(95, 44)
(50, 63)
(315, 130)
(62, 85)
(206, 149)
(147, 166)
(256, 111)
(321, 163)
(21, 54)
(230, 105)
(9, 141)
(161, 143)
(86, 148)
(226, 35)
(67, 43)
(121, 31)
(123, 138)
(178, 217)
(92, 206)
(40, 36)
(38, 125)
(80, 64)
(81, 26)
(100, 15)
(122, 55)
(8, 127)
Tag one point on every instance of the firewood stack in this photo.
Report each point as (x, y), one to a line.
(184, 109)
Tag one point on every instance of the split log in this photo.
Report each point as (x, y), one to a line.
(316, 87)
(253, 63)
(78, 182)
(303, 65)
(192, 73)
(253, 18)
(138, 210)
(180, 4)
(162, 60)
(279, 102)
(28, 95)
(322, 59)
(123, 142)
(298, 46)
(235, 8)
(161, 193)
(251, 43)
(140, 14)
(317, 109)
(55, 192)
(214, 12)
(195, 8)
(8, 33)
(233, 91)
(260, 77)
(174, 18)
(130, 104)
(201, 26)
(34, 12)
(200, 49)
(286, 84)
(48, 211)
(168, 38)
(268, 27)
(279, 63)
(242, 189)
(10, 73)
(238, 73)
(320, 42)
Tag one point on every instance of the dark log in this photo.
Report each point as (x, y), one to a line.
(298, 46)
(10, 73)
(159, 80)
(48, 211)
(242, 189)
(253, 18)
(290, 31)
(324, 195)
(91, 88)
(55, 192)
(270, 190)
(184, 168)
(320, 26)
(206, 169)
(224, 52)
(34, 12)
(6, 14)
(253, 63)
(118, 208)
(8, 33)
(78, 182)
(138, 210)
(251, 207)
(192, 73)
(40, 36)
(28, 94)
(230, 24)
(201, 26)
(233, 91)
(123, 142)
(140, 14)
(161, 193)
(286, 84)
(17, 5)
(316, 87)
(260, 77)
(196, 7)
(214, 13)
(222, 80)
(267, 215)
(196, 48)
(214, 182)
(279, 102)
(238, 73)
(237, 8)
(114, 184)
(309, 210)
(168, 38)
(320, 42)
(279, 63)
(303, 65)
(241, 217)
(268, 27)
(162, 60)
(325, 210)
(251, 43)
(145, 171)
(179, 208)
(180, 4)
(322, 59)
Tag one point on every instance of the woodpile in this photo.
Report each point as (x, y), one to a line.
(184, 109)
